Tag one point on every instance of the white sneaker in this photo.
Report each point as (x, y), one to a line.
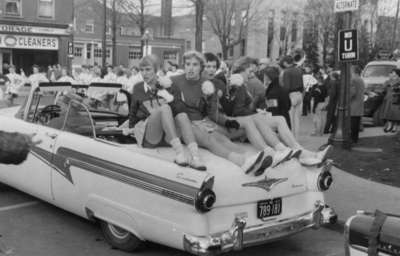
(197, 163)
(281, 156)
(309, 161)
(181, 160)
(323, 153)
(253, 163)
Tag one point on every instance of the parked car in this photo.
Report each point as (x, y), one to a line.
(374, 75)
(372, 234)
(91, 169)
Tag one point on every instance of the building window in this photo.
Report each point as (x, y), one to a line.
(89, 26)
(88, 51)
(170, 55)
(78, 51)
(231, 51)
(46, 8)
(13, 7)
(188, 45)
(97, 52)
(294, 28)
(271, 18)
(108, 52)
(243, 47)
(135, 53)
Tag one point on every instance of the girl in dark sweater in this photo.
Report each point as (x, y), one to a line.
(277, 97)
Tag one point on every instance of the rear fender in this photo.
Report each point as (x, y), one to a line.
(112, 212)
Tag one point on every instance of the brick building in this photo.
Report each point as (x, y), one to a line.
(88, 33)
(35, 32)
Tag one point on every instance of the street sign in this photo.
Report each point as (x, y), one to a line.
(346, 5)
(70, 48)
(348, 45)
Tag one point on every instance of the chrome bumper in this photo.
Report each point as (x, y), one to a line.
(240, 236)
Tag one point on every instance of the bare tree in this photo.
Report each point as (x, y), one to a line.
(229, 20)
(136, 11)
(320, 12)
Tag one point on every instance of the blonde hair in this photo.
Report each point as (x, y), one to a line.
(197, 55)
(150, 60)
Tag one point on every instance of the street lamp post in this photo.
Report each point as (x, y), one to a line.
(145, 39)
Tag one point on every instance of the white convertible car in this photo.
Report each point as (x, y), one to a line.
(88, 167)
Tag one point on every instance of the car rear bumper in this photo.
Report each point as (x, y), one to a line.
(240, 236)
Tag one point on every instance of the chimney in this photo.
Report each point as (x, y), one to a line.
(166, 17)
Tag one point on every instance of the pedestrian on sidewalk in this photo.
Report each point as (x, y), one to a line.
(391, 102)
(292, 80)
(333, 98)
(357, 88)
(309, 81)
(319, 96)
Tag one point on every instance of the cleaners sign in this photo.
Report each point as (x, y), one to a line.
(28, 42)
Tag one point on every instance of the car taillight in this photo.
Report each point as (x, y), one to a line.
(205, 198)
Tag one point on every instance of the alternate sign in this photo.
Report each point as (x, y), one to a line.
(346, 5)
(348, 45)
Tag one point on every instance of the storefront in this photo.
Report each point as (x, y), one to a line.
(26, 45)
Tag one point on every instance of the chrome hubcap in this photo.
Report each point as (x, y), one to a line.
(118, 232)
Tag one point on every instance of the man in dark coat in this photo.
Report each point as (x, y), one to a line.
(357, 88)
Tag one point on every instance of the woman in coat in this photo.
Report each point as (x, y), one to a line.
(391, 102)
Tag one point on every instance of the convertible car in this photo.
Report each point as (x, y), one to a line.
(86, 165)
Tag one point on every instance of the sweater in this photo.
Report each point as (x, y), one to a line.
(198, 106)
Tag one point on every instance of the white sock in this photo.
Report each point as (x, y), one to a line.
(177, 145)
(194, 149)
(280, 147)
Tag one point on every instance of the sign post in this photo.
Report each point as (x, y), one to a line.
(347, 52)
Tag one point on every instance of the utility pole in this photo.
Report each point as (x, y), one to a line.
(396, 20)
(341, 135)
(104, 43)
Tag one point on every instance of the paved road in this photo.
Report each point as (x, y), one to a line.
(29, 227)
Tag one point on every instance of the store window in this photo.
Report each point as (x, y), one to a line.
(108, 52)
(13, 7)
(97, 52)
(135, 53)
(78, 51)
(89, 26)
(88, 51)
(46, 9)
(170, 55)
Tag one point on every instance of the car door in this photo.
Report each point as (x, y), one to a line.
(33, 175)
(70, 180)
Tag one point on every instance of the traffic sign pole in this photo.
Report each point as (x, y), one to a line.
(341, 134)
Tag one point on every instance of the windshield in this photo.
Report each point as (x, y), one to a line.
(378, 70)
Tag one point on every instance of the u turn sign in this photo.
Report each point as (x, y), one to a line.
(348, 45)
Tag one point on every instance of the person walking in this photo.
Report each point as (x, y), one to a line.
(309, 81)
(292, 80)
(392, 102)
(333, 97)
(357, 88)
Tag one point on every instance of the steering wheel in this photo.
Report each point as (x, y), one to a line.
(47, 113)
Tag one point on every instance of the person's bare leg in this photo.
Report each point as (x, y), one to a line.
(253, 135)
(188, 137)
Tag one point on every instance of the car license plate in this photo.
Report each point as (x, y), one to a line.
(268, 208)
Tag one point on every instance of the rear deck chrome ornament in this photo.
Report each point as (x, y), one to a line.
(266, 183)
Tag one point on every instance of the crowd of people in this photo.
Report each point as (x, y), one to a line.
(210, 104)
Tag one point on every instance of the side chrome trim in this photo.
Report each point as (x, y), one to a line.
(65, 158)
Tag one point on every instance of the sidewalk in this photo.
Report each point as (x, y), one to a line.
(350, 193)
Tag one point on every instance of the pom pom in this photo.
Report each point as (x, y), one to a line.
(236, 80)
(208, 88)
(165, 81)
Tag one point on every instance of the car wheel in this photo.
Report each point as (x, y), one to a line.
(119, 237)
(377, 117)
